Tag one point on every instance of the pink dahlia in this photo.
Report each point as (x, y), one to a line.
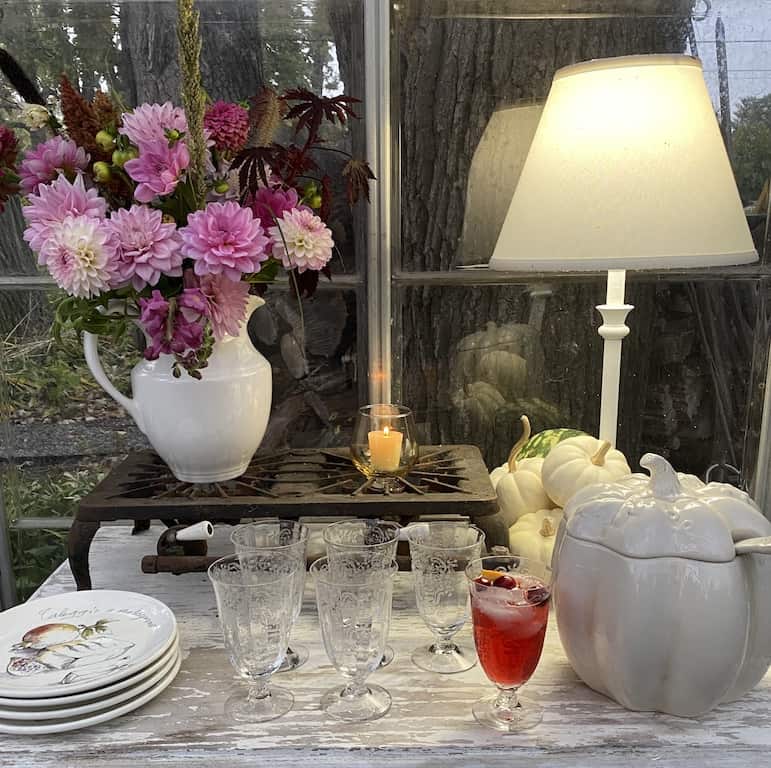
(224, 239)
(53, 203)
(145, 247)
(302, 240)
(157, 169)
(271, 203)
(149, 123)
(175, 337)
(45, 162)
(228, 125)
(80, 256)
(226, 304)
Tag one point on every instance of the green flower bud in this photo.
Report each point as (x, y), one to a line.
(102, 172)
(104, 140)
(315, 201)
(121, 156)
(221, 187)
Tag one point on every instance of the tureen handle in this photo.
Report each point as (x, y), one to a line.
(664, 482)
(757, 546)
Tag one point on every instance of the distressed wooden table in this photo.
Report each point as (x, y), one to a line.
(429, 725)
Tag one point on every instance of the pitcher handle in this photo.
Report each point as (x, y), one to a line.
(91, 351)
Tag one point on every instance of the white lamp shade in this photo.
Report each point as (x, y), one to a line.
(627, 170)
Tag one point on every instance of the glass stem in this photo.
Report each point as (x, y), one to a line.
(354, 689)
(258, 690)
(443, 642)
(507, 700)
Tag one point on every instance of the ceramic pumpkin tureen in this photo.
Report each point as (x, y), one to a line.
(661, 590)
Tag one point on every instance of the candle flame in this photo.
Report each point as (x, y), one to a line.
(385, 431)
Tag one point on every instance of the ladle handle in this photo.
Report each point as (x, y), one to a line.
(757, 546)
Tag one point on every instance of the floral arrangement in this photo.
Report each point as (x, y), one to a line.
(170, 215)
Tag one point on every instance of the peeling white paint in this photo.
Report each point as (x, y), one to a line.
(430, 723)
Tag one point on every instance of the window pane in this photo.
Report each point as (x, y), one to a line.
(513, 350)
(471, 352)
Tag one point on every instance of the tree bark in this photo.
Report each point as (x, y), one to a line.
(231, 57)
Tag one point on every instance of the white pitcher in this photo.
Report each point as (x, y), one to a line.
(208, 430)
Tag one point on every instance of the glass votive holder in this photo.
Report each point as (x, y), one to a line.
(384, 445)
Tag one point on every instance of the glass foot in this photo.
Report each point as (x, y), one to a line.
(388, 657)
(371, 703)
(523, 715)
(295, 657)
(455, 657)
(247, 707)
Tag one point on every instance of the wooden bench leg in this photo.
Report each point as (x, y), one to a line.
(78, 546)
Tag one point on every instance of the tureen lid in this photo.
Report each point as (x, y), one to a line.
(668, 514)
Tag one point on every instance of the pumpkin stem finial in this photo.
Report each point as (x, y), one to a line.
(547, 528)
(599, 458)
(524, 437)
(664, 483)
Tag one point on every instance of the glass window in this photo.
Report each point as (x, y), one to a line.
(474, 349)
(59, 432)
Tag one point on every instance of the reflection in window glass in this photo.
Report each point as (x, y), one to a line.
(472, 80)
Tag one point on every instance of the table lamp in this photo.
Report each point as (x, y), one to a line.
(627, 170)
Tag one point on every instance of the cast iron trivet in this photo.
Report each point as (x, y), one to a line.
(450, 479)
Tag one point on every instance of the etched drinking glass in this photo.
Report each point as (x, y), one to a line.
(440, 552)
(290, 537)
(510, 610)
(373, 541)
(255, 609)
(354, 602)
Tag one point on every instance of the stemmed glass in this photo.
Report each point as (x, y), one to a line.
(384, 445)
(255, 609)
(354, 602)
(290, 537)
(510, 610)
(440, 552)
(372, 541)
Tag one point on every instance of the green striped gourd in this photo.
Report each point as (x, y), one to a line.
(539, 445)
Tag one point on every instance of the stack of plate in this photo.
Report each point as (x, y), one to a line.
(82, 658)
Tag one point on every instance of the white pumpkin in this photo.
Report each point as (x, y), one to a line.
(661, 589)
(506, 371)
(519, 487)
(534, 534)
(580, 461)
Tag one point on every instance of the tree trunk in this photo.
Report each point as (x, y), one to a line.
(231, 57)
(16, 259)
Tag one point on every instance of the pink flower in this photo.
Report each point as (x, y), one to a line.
(302, 240)
(224, 239)
(80, 256)
(226, 304)
(271, 203)
(228, 125)
(46, 161)
(175, 337)
(157, 169)
(145, 247)
(53, 203)
(148, 123)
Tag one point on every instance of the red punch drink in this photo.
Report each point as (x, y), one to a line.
(510, 610)
(510, 618)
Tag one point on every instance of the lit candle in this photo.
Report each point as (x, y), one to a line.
(385, 449)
